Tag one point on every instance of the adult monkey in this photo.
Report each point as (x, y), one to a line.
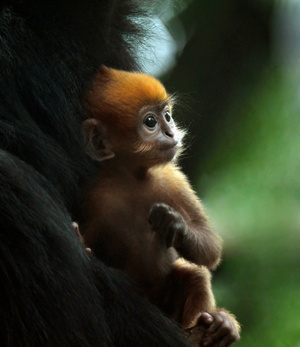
(52, 293)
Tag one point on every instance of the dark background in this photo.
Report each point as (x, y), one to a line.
(238, 83)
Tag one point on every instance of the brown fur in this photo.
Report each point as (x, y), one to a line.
(136, 177)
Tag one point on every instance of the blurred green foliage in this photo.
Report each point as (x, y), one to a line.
(244, 159)
(254, 202)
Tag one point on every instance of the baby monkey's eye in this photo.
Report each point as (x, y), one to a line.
(150, 122)
(168, 116)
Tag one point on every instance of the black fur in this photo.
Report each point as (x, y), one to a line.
(51, 292)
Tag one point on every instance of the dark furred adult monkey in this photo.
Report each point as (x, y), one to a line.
(52, 293)
(141, 214)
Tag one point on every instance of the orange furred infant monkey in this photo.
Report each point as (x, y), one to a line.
(141, 215)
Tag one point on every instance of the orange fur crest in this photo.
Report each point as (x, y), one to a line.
(117, 96)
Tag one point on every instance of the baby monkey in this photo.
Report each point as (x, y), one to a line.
(141, 215)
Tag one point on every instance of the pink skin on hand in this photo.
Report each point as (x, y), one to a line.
(80, 237)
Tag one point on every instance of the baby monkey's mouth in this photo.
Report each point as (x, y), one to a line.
(170, 145)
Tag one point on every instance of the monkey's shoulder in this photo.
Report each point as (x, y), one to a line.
(174, 189)
(171, 177)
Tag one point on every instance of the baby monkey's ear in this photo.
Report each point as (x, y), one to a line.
(97, 144)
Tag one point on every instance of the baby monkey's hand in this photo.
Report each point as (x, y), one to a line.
(168, 223)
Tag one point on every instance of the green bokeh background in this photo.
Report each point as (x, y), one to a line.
(240, 99)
